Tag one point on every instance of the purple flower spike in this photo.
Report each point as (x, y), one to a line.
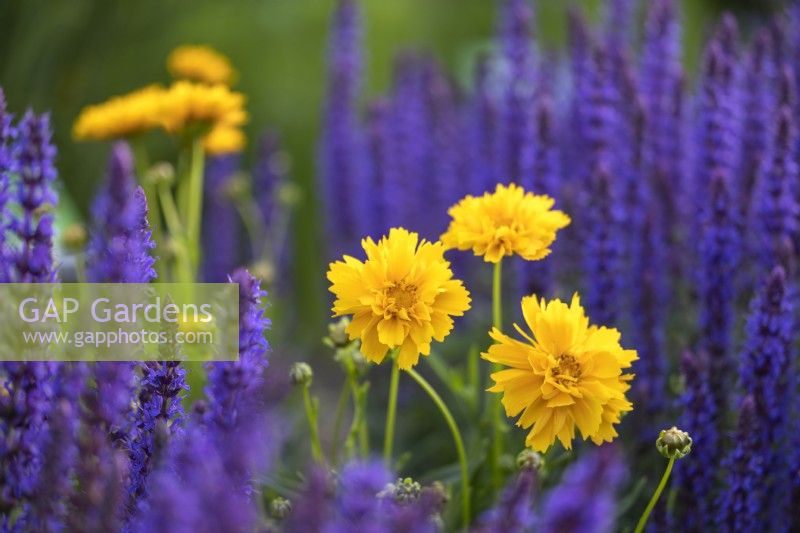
(742, 500)
(585, 500)
(696, 477)
(7, 162)
(342, 156)
(120, 246)
(514, 511)
(34, 226)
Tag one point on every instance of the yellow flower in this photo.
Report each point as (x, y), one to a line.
(506, 222)
(121, 116)
(200, 63)
(567, 374)
(186, 104)
(224, 140)
(402, 296)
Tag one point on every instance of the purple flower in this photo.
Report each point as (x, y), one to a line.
(192, 492)
(695, 478)
(383, 175)
(765, 375)
(514, 511)
(221, 228)
(232, 385)
(120, 245)
(48, 509)
(483, 124)
(158, 416)
(585, 500)
(7, 162)
(516, 126)
(776, 206)
(35, 156)
(342, 156)
(24, 401)
(741, 506)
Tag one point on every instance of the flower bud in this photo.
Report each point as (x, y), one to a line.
(406, 490)
(337, 332)
(673, 443)
(280, 508)
(528, 459)
(74, 237)
(237, 186)
(161, 174)
(301, 374)
(289, 194)
(264, 270)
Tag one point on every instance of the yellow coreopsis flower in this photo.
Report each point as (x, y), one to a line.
(200, 63)
(567, 374)
(186, 104)
(224, 140)
(506, 222)
(121, 116)
(403, 296)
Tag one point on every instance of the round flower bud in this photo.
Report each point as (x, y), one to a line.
(528, 459)
(280, 508)
(263, 270)
(337, 332)
(673, 443)
(74, 237)
(237, 186)
(301, 374)
(406, 490)
(161, 174)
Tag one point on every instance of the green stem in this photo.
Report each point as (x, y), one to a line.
(459, 442)
(194, 207)
(497, 295)
(175, 228)
(497, 408)
(337, 424)
(656, 495)
(253, 225)
(391, 410)
(311, 415)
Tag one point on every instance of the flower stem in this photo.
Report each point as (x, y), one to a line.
(497, 409)
(459, 442)
(391, 410)
(656, 495)
(194, 208)
(497, 295)
(311, 415)
(337, 424)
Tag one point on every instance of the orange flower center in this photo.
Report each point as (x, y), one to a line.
(400, 296)
(568, 370)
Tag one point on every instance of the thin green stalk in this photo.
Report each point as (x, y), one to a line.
(497, 408)
(311, 415)
(391, 410)
(459, 442)
(497, 295)
(194, 207)
(253, 224)
(656, 495)
(337, 424)
(363, 432)
(175, 227)
(80, 267)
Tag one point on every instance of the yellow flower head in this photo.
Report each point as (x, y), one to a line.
(200, 63)
(506, 222)
(402, 296)
(224, 140)
(567, 374)
(121, 116)
(186, 104)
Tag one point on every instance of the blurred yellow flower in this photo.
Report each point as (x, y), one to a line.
(186, 104)
(224, 140)
(121, 116)
(402, 296)
(200, 63)
(506, 222)
(567, 374)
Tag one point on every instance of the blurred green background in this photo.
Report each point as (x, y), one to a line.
(60, 55)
